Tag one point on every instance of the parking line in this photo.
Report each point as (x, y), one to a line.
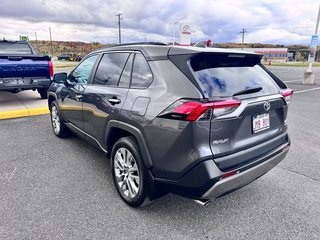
(24, 113)
(297, 80)
(307, 90)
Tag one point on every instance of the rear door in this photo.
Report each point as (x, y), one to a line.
(105, 95)
(240, 134)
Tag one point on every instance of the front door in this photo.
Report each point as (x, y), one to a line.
(72, 94)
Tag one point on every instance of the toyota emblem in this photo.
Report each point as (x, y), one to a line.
(186, 28)
(267, 106)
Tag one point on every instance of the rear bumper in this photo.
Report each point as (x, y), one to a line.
(7, 85)
(206, 180)
(245, 177)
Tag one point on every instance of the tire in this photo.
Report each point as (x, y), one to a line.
(128, 172)
(58, 126)
(43, 92)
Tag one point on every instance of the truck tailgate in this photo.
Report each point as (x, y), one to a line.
(24, 66)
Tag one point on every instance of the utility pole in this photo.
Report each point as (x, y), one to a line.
(243, 32)
(35, 34)
(119, 23)
(309, 75)
(51, 43)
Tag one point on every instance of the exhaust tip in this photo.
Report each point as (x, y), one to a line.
(202, 202)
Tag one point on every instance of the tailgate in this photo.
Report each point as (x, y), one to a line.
(256, 126)
(24, 66)
(250, 132)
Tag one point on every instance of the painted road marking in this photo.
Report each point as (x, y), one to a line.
(297, 80)
(307, 90)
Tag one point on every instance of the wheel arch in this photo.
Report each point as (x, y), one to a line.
(51, 98)
(117, 129)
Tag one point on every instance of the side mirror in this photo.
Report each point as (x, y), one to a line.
(60, 77)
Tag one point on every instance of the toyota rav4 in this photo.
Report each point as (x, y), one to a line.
(198, 122)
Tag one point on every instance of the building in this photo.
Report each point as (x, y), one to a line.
(280, 54)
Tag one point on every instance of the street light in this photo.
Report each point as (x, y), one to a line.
(174, 32)
(309, 75)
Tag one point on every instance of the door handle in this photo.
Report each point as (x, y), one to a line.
(114, 101)
(78, 97)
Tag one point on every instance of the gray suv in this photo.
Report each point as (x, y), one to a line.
(198, 122)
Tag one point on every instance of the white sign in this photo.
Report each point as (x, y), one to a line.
(313, 48)
(185, 32)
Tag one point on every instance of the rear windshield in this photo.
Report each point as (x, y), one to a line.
(15, 48)
(225, 75)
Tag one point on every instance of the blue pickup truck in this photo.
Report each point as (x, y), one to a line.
(22, 69)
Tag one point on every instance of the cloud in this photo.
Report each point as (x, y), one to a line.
(268, 21)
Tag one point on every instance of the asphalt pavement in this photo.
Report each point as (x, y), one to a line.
(53, 188)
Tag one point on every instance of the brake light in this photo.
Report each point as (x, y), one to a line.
(287, 94)
(192, 111)
(50, 68)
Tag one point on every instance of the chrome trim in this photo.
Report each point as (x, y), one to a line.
(114, 100)
(243, 178)
(246, 102)
(80, 130)
(202, 202)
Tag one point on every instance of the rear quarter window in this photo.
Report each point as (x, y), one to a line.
(141, 73)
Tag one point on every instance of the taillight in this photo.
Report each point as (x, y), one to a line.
(287, 94)
(192, 111)
(50, 68)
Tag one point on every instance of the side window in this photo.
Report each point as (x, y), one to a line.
(126, 74)
(141, 73)
(82, 72)
(110, 68)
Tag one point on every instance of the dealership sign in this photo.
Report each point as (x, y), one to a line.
(185, 32)
(313, 48)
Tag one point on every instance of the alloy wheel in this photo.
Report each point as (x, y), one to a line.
(55, 119)
(127, 173)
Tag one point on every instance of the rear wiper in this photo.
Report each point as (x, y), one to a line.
(247, 91)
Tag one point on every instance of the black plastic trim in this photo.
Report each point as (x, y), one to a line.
(137, 134)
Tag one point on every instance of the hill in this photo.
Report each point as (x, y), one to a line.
(62, 47)
(82, 48)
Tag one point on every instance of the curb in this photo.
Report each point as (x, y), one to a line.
(24, 113)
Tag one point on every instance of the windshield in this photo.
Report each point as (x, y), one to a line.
(15, 48)
(225, 78)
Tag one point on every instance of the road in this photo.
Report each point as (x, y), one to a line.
(62, 189)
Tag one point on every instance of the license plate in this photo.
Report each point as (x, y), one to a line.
(260, 122)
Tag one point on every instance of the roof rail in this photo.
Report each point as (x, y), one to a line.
(140, 43)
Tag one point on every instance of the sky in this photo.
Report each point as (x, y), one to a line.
(266, 21)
